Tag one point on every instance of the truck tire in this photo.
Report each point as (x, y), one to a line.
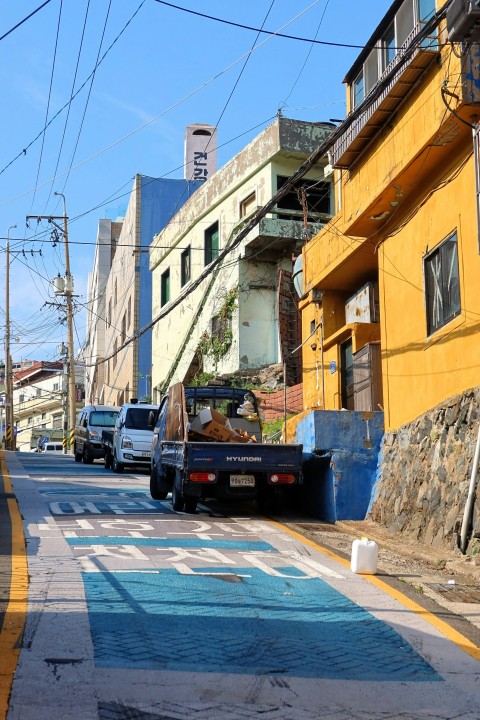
(116, 466)
(158, 484)
(190, 504)
(87, 458)
(269, 501)
(178, 502)
(77, 456)
(107, 459)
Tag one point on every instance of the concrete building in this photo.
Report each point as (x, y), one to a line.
(119, 341)
(238, 312)
(94, 348)
(391, 283)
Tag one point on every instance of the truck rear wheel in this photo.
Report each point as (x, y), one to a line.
(158, 484)
(107, 460)
(77, 456)
(178, 502)
(87, 458)
(190, 504)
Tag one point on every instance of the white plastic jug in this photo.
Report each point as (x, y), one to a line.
(364, 557)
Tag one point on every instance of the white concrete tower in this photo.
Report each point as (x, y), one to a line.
(200, 151)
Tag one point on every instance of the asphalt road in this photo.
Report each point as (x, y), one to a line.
(137, 612)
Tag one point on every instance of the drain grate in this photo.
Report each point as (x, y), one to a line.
(457, 593)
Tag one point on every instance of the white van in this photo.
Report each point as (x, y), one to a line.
(52, 447)
(132, 437)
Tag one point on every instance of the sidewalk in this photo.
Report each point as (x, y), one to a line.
(445, 577)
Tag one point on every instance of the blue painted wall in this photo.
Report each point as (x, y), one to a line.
(161, 199)
(351, 442)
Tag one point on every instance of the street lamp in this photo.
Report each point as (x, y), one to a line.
(9, 436)
(68, 291)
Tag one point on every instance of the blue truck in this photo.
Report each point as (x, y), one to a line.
(207, 444)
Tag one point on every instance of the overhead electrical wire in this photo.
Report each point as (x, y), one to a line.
(79, 53)
(19, 24)
(49, 96)
(90, 92)
(267, 32)
(27, 147)
(284, 103)
(148, 122)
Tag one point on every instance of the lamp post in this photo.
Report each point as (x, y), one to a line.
(9, 436)
(70, 352)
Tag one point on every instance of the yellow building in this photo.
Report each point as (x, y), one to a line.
(397, 267)
(391, 296)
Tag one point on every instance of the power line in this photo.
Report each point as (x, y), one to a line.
(49, 97)
(27, 147)
(15, 27)
(268, 32)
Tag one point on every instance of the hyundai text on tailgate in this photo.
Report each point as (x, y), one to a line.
(207, 443)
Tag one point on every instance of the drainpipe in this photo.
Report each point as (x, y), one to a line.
(468, 512)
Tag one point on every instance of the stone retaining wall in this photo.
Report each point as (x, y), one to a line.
(425, 470)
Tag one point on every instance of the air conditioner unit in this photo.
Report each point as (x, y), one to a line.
(463, 21)
(363, 306)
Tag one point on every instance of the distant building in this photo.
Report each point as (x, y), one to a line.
(118, 360)
(39, 402)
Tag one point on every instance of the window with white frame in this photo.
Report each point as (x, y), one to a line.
(411, 14)
(442, 284)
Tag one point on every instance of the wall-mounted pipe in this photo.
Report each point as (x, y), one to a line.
(468, 512)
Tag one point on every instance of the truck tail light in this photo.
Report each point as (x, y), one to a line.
(202, 477)
(282, 478)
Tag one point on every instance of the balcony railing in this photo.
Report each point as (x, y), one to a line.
(380, 106)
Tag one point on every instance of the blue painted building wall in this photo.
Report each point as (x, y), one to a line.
(161, 199)
(341, 475)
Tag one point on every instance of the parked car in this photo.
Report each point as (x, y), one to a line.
(92, 420)
(129, 443)
(52, 447)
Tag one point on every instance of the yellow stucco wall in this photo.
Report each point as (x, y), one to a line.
(421, 371)
(419, 168)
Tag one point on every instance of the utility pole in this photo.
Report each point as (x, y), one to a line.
(9, 418)
(72, 399)
(66, 290)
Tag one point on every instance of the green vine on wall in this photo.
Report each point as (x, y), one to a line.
(217, 344)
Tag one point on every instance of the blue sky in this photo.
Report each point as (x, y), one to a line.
(167, 69)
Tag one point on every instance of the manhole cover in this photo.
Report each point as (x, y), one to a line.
(457, 593)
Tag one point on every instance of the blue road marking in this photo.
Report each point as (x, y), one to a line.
(242, 621)
(119, 508)
(244, 545)
(94, 491)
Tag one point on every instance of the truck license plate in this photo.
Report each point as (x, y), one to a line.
(146, 454)
(242, 481)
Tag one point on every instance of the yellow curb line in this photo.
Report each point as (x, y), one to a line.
(453, 635)
(16, 612)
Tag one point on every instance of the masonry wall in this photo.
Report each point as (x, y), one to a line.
(425, 472)
(272, 402)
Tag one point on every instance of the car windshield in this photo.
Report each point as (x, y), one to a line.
(137, 418)
(103, 418)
